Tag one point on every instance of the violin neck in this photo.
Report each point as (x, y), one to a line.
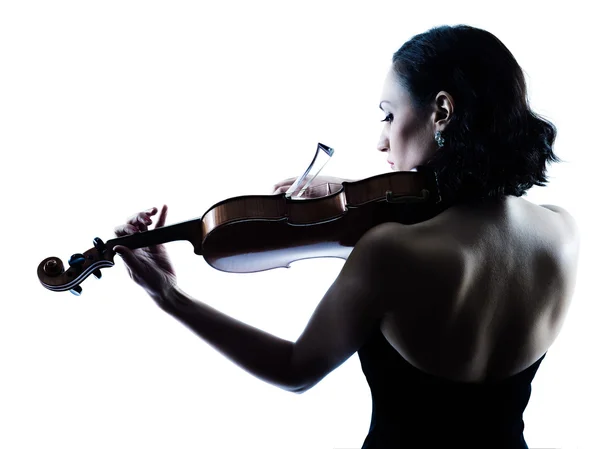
(187, 230)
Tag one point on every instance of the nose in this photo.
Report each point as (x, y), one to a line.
(383, 144)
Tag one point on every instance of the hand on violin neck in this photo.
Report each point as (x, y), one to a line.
(149, 267)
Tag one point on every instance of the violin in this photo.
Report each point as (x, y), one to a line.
(252, 233)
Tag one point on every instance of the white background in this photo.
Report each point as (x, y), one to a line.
(109, 108)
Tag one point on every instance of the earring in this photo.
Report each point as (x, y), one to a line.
(439, 139)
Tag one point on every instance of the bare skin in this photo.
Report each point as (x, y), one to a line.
(511, 267)
(478, 293)
(515, 269)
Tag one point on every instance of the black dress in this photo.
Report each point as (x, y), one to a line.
(412, 409)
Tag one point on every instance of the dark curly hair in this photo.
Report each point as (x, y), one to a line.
(494, 144)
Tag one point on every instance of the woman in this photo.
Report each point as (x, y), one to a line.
(451, 317)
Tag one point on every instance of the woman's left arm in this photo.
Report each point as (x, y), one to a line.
(259, 353)
(337, 329)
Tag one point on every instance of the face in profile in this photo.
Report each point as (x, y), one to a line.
(407, 139)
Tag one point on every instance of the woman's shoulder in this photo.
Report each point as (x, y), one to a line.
(510, 214)
(459, 230)
(516, 225)
(566, 218)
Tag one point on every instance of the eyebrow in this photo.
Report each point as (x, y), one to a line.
(384, 101)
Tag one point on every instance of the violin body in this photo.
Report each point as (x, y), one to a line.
(248, 234)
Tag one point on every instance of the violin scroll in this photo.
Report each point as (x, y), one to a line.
(53, 276)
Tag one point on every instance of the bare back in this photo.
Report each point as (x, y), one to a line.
(513, 269)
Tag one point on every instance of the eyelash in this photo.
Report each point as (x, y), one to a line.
(388, 118)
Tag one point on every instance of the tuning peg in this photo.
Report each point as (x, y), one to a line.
(76, 290)
(99, 245)
(97, 273)
(76, 259)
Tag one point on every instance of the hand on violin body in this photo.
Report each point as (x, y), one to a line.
(149, 267)
(320, 186)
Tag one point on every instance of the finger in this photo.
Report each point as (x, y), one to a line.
(125, 229)
(127, 256)
(147, 214)
(135, 219)
(143, 220)
(162, 217)
(140, 221)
